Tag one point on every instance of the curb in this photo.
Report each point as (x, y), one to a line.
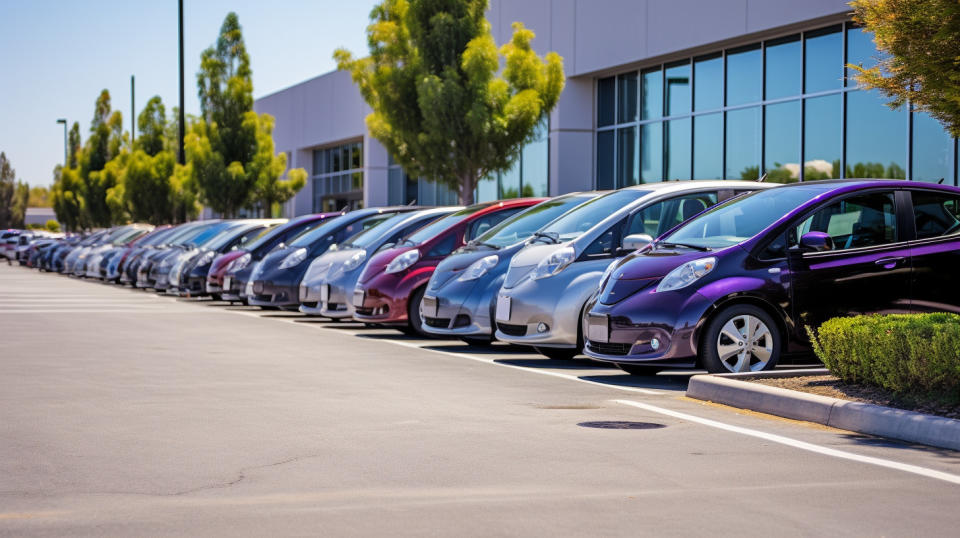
(910, 426)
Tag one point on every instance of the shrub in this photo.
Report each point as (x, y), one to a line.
(910, 354)
(53, 226)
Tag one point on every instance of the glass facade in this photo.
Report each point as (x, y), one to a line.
(781, 107)
(529, 175)
(337, 180)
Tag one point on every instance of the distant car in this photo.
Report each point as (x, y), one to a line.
(154, 269)
(275, 281)
(327, 287)
(735, 287)
(116, 264)
(8, 243)
(462, 292)
(393, 282)
(550, 281)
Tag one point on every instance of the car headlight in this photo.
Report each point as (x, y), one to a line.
(240, 262)
(687, 274)
(403, 261)
(206, 258)
(607, 273)
(294, 258)
(355, 260)
(554, 263)
(479, 268)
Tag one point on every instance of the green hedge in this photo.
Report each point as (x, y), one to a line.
(915, 354)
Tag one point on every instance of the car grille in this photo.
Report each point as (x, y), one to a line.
(512, 330)
(364, 311)
(440, 323)
(462, 320)
(609, 348)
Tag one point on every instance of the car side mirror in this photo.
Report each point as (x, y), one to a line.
(636, 241)
(816, 242)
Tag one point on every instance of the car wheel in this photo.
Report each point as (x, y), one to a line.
(414, 321)
(740, 338)
(558, 353)
(639, 369)
(477, 341)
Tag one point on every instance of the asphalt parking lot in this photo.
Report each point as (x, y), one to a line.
(127, 413)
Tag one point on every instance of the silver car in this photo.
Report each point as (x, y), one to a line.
(328, 284)
(462, 290)
(550, 281)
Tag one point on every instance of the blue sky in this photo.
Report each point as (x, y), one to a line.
(56, 56)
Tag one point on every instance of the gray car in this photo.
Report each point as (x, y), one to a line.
(550, 281)
(462, 292)
(328, 285)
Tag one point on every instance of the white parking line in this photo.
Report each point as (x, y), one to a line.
(803, 445)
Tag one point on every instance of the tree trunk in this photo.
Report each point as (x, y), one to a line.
(468, 184)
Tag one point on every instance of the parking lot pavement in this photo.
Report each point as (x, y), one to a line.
(126, 413)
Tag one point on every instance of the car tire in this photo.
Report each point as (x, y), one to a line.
(731, 343)
(639, 369)
(477, 341)
(414, 320)
(558, 353)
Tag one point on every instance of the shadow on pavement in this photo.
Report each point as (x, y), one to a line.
(477, 350)
(551, 364)
(671, 382)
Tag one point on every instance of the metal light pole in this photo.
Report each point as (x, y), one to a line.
(133, 114)
(64, 122)
(181, 157)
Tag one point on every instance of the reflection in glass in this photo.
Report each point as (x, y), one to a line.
(605, 160)
(627, 97)
(783, 70)
(860, 51)
(651, 153)
(744, 75)
(487, 188)
(821, 138)
(510, 181)
(606, 97)
(823, 60)
(651, 105)
(708, 91)
(678, 149)
(932, 150)
(628, 165)
(781, 138)
(535, 162)
(743, 143)
(876, 137)
(677, 79)
(708, 146)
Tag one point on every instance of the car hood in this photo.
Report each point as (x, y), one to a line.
(379, 262)
(222, 260)
(526, 260)
(653, 263)
(456, 263)
(329, 265)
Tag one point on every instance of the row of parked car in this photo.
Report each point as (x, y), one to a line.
(725, 275)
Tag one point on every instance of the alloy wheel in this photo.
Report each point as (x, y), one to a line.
(745, 344)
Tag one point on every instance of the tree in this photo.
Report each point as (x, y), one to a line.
(231, 153)
(147, 192)
(106, 143)
(39, 197)
(7, 190)
(922, 40)
(438, 105)
(152, 123)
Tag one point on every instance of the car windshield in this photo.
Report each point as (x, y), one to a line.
(523, 225)
(221, 240)
(249, 241)
(366, 237)
(579, 220)
(311, 236)
(433, 229)
(741, 218)
(155, 237)
(207, 233)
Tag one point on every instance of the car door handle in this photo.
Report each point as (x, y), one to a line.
(890, 263)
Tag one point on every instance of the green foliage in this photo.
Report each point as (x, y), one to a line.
(439, 106)
(52, 226)
(147, 188)
(21, 200)
(915, 354)
(152, 123)
(68, 200)
(8, 187)
(922, 38)
(39, 197)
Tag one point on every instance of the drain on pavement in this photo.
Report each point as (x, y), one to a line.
(621, 425)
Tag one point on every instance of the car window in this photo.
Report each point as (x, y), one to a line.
(483, 224)
(444, 247)
(936, 214)
(607, 244)
(587, 215)
(860, 221)
(654, 220)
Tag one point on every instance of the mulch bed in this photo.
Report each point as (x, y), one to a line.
(828, 385)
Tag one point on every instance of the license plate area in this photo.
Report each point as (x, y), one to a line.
(598, 328)
(325, 293)
(430, 306)
(503, 308)
(226, 283)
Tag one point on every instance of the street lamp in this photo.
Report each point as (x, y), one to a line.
(64, 122)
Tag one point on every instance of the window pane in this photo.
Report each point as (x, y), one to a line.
(744, 73)
(856, 222)
(510, 182)
(605, 160)
(627, 97)
(356, 181)
(317, 162)
(821, 138)
(936, 214)
(860, 51)
(627, 158)
(783, 67)
(932, 150)
(535, 163)
(652, 104)
(487, 189)
(651, 153)
(708, 91)
(358, 155)
(678, 149)
(606, 95)
(708, 146)
(824, 60)
(333, 157)
(678, 89)
(781, 136)
(345, 157)
(876, 137)
(743, 143)
(395, 186)
(412, 189)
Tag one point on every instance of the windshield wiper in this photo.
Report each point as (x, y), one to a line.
(685, 245)
(552, 237)
(483, 244)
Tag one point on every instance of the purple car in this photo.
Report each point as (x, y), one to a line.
(734, 288)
